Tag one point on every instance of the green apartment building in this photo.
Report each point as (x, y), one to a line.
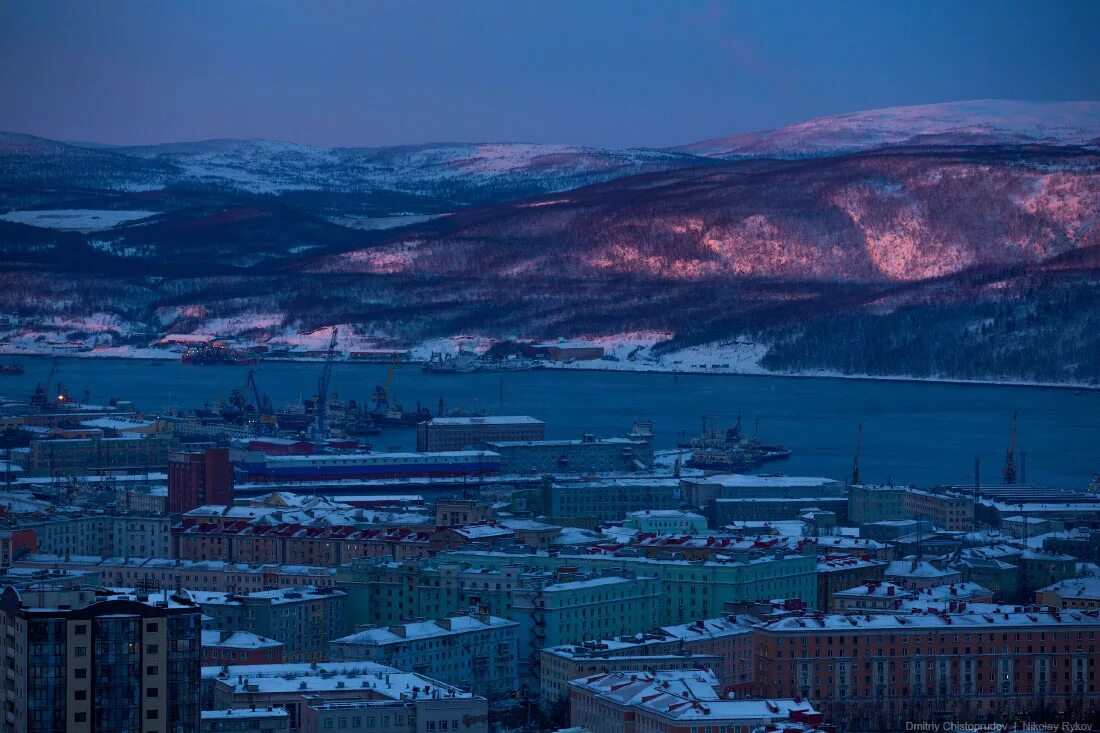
(609, 500)
(874, 503)
(689, 589)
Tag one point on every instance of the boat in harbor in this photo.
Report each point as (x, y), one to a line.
(730, 450)
(11, 369)
(460, 363)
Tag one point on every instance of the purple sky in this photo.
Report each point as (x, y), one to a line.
(571, 71)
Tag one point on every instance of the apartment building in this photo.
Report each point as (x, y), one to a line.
(674, 701)
(223, 646)
(840, 573)
(579, 606)
(206, 575)
(264, 720)
(364, 696)
(197, 478)
(877, 671)
(476, 652)
(1071, 593)
(83, 659)
(131, 452)
(666, 521)
(119, 535)
(723, 645)
(950, 511)
(608, 500)
(875, 503)
(689, 589)
(303, 619)
(385, 593)
(884, 597)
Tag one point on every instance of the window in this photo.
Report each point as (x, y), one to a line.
(81, 651)
(82, 629)
(80, 673)
(152, 692)
(80, 695)
(152, 670)
(152, 649)
(152, 714)
(80, 717)
(152, 627)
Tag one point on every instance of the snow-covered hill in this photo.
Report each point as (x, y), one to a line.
(265, 166)
(976, 122)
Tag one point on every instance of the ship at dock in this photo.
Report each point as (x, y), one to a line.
(460, 363)
(730, 450)
(217, 355)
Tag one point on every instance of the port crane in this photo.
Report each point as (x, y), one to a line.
(41, 398)
(381, 396)
(320, 424)
(1009, 471)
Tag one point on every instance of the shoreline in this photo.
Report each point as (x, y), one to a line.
(1075, 386)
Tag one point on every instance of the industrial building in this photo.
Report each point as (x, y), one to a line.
(460, 433)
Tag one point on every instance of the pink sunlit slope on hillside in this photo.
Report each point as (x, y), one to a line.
(863, 218)
(952, 123)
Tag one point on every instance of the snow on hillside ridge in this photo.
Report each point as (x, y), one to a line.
(265, 166)
(985, 121)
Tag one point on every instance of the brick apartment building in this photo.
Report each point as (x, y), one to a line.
(195, 479)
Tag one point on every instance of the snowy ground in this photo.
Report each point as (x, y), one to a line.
(82, 219)
(625, 352)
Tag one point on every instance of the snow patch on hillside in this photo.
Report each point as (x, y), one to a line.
(80, 219)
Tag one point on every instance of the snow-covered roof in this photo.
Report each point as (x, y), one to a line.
(268, 713)
(486, 420)
(665, 514)
(916, 569)
(1087, 588)
(1007, 616)
(114, 423)
(417, 630)
(588, 583)
(237, 640)
(737, 480)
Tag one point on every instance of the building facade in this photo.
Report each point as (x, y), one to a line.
(199, 478)
(84, 659)
(476, 652)
(875, 672)
(459, 433)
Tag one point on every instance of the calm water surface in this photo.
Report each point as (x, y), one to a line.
(913, 432)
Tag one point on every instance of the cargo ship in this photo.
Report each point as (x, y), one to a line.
(326, 467)
(214, 355)
(730, 450)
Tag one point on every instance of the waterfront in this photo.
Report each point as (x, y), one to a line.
(914, 432)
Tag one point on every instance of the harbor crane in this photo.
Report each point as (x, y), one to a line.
(320, 423)
(1009, 471)
(381, 396)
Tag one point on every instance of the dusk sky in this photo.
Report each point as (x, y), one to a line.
(586, 72)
